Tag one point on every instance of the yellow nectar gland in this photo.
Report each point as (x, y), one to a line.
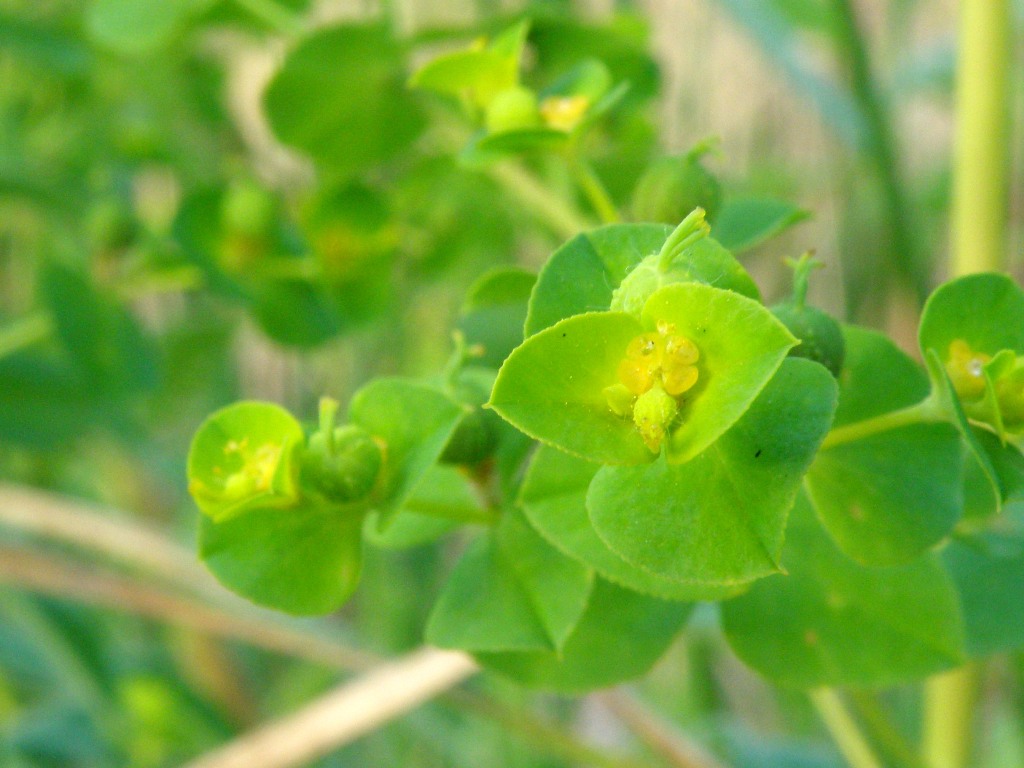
(256, 473)
(658, 368)
(563, 113)
(966, 369)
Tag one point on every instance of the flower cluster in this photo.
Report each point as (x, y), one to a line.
(657, 370)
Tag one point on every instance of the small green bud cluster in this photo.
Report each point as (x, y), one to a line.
(254, 455)
(821, 338)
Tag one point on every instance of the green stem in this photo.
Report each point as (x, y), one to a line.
(981, 165)
(844, 729)
(949, 717)
(24, 332)
(274, 15)
(879, 141)
(562, 217)
(879, 726)
(926, 411)
(329, 408)
(172, 280)
(981, 160)
(595, 191)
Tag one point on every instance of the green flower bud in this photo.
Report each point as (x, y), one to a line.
(345, 468)
(688, 256)
(512, 109)
(653, 414)
(248, 209)
(671, 187)
(821, 337)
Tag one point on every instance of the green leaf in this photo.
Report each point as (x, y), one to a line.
(476, 75)
(494, 312)
(134, 27)
(513, 142)
(830, 621)
(552, 388)
(243, 458)
(747, 223)
(100, 337)
(620, 636)
(988, 571)
(886, 498)
(985, 310)
(581, 275)
(340, 97)
(720, 518)
(889, 497)
(511, 591)
(414, 421)
(295, 313)
(553, 497)
(43, 405)
(741, 346)
(439, 504)
(303, 561)
(877, 377)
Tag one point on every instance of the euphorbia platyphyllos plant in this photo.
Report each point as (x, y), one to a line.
(666, 439)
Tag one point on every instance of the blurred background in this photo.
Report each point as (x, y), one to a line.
(190, 216)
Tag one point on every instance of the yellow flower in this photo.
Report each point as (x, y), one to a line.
(657, 370)
(966, 369)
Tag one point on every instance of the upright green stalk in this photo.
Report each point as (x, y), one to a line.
(949, 701)
(879, 142)
(854, 746)
(981, 159)
(978, 242)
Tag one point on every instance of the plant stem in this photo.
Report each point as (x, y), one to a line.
(981, 158)
(24, 332)
(878, 723)
(949, 717)
(274, 15)
(923, 412)
(978, 242)
(844, 729)
(595, 191)
(879, 142)
(562, 217)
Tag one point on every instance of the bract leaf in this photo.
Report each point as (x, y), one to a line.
(304, 560)
(494, 312)
(552, 388)
(741, 346)
(581, 275)
(886, 498)
(985, 310)
(414, 421)
(719, 518)
(833, 622)
(553, 497)
(988, 571)
(620, 636)
(511, 591)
